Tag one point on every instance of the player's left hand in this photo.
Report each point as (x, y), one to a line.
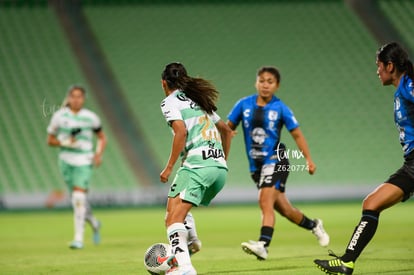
(165, 174)
(97, 160)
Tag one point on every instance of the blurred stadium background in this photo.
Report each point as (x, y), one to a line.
(325, 50)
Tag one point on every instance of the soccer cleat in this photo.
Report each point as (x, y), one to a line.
(335, 266)
(194, 246)
(168, 261)
(320, 233)
(76, 245)
(255, 248)
(97, 233)
(182, 270)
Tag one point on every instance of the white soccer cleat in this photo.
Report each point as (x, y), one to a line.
(194, 246)
(320, 233)
(182, 270)
(76, 245)
(255, 248)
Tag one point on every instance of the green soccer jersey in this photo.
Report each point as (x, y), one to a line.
(82, 125)
(203, 146)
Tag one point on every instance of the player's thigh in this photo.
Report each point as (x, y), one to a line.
(67, 173)
(82, 176)
(214, 181)
(384, 196)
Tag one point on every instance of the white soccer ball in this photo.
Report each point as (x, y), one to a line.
(154, 256)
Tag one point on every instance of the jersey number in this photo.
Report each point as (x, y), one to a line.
(206, 132)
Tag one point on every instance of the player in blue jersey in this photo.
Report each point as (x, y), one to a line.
(262, 116)
(393, 68)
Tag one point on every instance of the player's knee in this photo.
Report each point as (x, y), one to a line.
(369, 203)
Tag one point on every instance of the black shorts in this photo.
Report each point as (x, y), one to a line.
(404, 177)
(269, 175)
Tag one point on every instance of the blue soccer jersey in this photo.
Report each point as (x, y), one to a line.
(262, 127)
(404, 113)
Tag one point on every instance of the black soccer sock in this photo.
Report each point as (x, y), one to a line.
(266, 234)
(307, 223)
(362, 235)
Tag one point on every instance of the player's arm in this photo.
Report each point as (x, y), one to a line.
(53, 141)
(226, 134)
(303, 147)
(178, 144)
(100, 147)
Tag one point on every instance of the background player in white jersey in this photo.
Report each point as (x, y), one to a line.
(72, 129)
(263, 115)
(203, 140)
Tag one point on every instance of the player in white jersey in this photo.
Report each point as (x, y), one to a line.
(72, 129)
(203, 141)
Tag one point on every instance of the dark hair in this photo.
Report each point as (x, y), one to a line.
(70, 90)
(394, 53)
(270, 69)
(199, 90)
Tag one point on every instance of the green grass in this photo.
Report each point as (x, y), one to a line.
(36, 242)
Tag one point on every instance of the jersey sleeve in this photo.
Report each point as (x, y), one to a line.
(96, 123)
(236, 114)
(289, 119)
(170, 111)
(53, 127)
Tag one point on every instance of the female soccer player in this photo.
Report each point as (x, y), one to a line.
(203, 140)
(393, 68)
(262, 116)
(71, 128)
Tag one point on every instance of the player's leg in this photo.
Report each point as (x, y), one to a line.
(94, 223)
(81, 176)
(285, 208)
(264, 180)
(385, 196)
(77, 199)
(179, 205)
(79, 210)
(211, 180)
(194, 243)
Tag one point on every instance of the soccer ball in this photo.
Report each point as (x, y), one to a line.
(155, 258)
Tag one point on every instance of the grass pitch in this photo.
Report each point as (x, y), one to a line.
(35, 242)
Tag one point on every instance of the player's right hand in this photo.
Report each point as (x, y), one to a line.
(165, 174)
(69, 143)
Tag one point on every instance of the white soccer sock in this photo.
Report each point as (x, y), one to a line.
(190, 225)
(178, 238)
(79, 212)
(89, 217)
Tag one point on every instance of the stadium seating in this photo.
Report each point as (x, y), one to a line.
(400, 15)
(37, 68)
(326, 57)
(325, 54)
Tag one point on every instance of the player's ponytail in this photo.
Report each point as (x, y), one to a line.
(410, 69)
(198, 90)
